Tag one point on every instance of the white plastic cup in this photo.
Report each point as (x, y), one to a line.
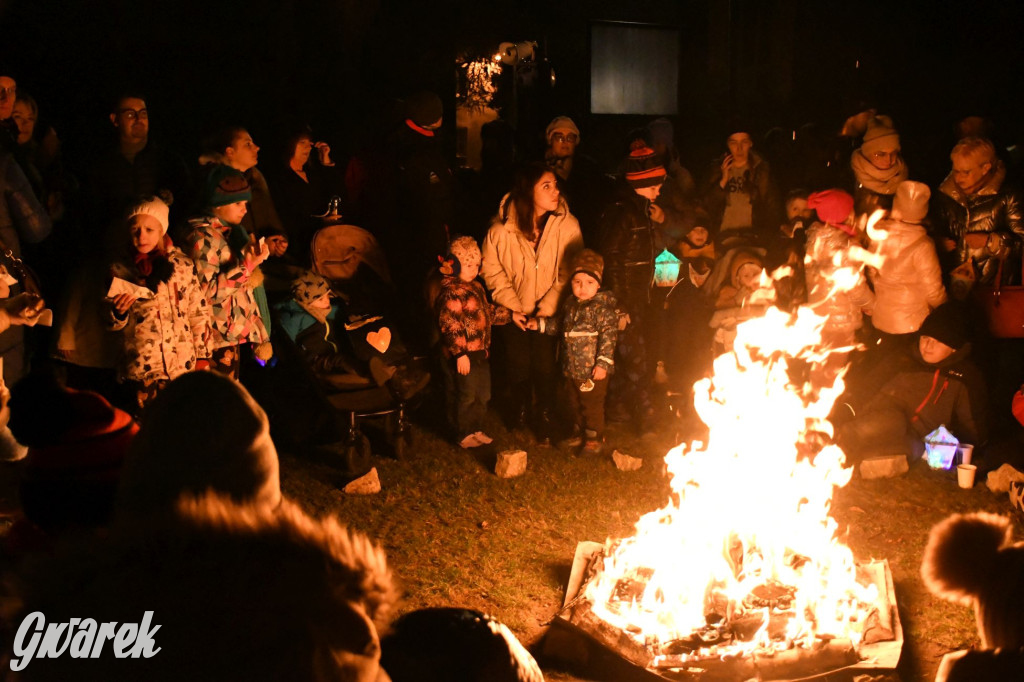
(965, 475)
(965, 452)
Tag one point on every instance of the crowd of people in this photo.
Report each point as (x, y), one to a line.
(157, 266)
(609, 291)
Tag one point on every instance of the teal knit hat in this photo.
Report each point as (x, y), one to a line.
(225, 185)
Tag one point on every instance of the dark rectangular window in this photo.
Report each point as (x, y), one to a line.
(634, 69)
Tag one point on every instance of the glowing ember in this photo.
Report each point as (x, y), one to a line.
(744, 558)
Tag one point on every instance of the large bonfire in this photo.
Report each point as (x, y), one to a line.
(745, 558)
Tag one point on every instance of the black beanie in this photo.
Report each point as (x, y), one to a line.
(423, 108)
(738, 124)
(947, 325)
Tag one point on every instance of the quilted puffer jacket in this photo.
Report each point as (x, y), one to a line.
(908, 282)
(994, 209)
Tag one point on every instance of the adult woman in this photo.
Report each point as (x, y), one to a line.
(526, 256)
(38, 153)
(235, 147)
(303, 190)
(877, 167)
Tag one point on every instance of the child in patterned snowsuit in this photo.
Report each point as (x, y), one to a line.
(227, 265)
(588, 325)
(165, 334)
(465, 317)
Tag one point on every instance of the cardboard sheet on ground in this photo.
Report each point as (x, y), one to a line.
(122, 286)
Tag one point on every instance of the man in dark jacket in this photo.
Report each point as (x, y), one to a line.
(913, 392)
(134, 167)
(978, 220)
(630, 243)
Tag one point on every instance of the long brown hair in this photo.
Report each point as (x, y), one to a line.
(521, 196)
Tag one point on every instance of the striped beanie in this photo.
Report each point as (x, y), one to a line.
(643, 166)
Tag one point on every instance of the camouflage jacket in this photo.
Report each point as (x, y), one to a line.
(166, 334)
(588, 330)
(234, 313)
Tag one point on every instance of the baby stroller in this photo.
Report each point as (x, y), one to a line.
(349, 258)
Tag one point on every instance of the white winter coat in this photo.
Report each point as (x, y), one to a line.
(908, 282)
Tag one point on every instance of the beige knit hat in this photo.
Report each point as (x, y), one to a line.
(881, 135)
(561, 123)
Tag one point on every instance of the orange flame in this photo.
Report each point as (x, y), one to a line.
(750, 509)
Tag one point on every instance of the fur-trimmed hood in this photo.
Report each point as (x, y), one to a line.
(239, 592)
(971, 559)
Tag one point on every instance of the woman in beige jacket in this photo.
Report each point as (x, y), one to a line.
(526, 258)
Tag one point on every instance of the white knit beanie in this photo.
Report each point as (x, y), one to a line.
(154, 207)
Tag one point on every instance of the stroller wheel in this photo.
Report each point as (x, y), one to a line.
(399, 434)
(355, 455)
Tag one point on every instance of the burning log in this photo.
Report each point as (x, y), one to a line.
(742, 573)
(709, 654)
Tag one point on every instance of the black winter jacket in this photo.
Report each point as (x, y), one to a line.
(629, 244)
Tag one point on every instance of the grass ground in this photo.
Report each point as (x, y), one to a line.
(456, 535)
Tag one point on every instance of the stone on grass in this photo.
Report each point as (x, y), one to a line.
(889, 466)
(999, 481)
(624, 462)
(510, 463)
(367, 484)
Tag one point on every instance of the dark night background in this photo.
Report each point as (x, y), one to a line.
(341, 64)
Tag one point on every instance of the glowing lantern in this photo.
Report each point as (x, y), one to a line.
(940, 448)
(666, 269)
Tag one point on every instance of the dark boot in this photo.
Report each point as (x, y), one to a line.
(544, 429)
(519, 407)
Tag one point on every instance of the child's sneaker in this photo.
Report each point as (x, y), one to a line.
(575, 439)
(483, 438)
(470, 441)
(593, 447)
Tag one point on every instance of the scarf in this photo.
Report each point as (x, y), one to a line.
(878, 181)
(144, 261)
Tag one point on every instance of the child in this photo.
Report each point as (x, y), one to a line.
(972, 559)
(343, 355)
(166, 334)
(588, 325)
(227, 262)
(911, 392)
(465, 318)
(736, 301)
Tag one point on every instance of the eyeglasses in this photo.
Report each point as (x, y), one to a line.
(132, 114)
(572, 138)
(7, 92)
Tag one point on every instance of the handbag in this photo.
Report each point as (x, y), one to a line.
(1003, 306)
